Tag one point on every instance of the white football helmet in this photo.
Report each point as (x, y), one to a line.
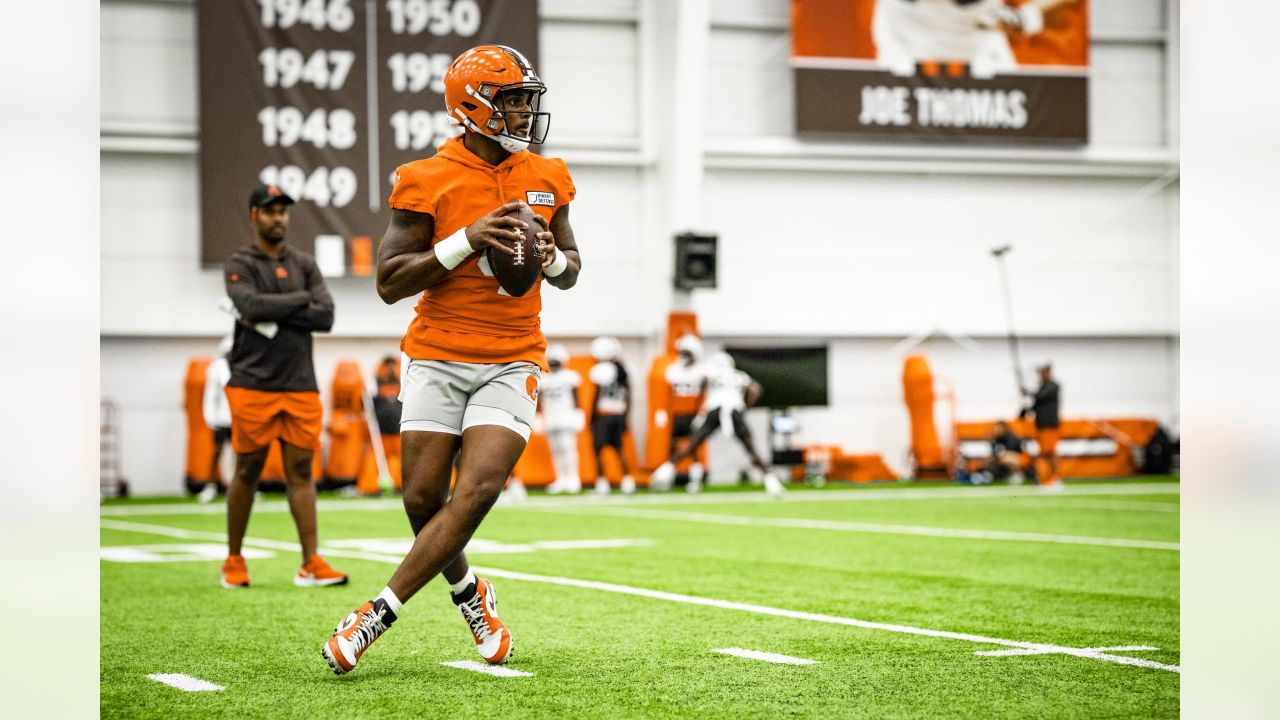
(606, 347)
(690, 344)
(557, 355)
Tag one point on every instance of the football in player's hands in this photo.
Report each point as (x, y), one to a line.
(518, 272)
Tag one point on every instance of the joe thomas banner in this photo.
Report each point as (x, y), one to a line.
(946, 70)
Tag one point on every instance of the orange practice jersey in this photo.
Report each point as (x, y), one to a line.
(465, 317)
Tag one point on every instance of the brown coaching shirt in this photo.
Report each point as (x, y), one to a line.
(289, 291)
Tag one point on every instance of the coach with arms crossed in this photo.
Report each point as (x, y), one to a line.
(280, 299)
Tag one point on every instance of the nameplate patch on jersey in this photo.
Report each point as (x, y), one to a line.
(540, 198)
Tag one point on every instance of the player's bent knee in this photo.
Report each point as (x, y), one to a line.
(477, 497)
(422, 504)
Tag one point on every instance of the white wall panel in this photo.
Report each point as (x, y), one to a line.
(1127, 95)
(749, 92)
(1114, 16)
(148, 63)
(591, 71)
(839, 254)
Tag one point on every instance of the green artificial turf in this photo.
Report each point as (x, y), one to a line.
(596, 653)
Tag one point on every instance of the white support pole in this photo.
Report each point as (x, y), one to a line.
(688, 123)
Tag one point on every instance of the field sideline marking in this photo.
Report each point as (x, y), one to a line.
(880, 528)
(185, 683)
(768, 657)
(486, 668)
(678, 598)
(535, 503)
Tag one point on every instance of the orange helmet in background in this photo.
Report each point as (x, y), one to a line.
(473, 83)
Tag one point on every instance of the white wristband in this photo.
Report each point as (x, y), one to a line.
(454, 249)
(557, 266)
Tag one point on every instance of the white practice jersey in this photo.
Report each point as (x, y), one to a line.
(612, 387)
(558, 390)
(907, 31)
(727, 389)
(686, 386)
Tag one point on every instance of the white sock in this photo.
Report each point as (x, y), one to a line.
(392, 601)
(458, 587)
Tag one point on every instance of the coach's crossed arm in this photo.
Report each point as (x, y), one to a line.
(318, 313)
(258, 306)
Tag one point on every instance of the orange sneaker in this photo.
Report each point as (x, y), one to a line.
(355, 634)
(493, 640)
(234, 572)
(317, 573)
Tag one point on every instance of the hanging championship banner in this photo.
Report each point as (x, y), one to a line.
(980, 70)
(325, 98)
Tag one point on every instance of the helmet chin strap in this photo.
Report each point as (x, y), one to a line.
(510, 144)
(507, 142)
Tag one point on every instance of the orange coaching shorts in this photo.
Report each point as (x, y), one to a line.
(259, 417)
(1047, 439)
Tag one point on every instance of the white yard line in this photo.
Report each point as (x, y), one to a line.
(486, 668)
(1074, 504)
(185, 682)
(765, 656)
(880, 528)
(1118, 648)
(692, 600)
(677, 498)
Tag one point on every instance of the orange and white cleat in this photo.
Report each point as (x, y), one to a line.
(1052, 485)
(234, 572)
(355, 634)
(317, 573)
(493, 640)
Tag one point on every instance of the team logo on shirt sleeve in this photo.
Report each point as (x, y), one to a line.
(534, 197)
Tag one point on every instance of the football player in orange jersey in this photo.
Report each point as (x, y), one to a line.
(472, 353)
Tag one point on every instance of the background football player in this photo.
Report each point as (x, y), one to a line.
(686, 381)
(610, 409)
(729, 392)
(471, 353)
(562, 414)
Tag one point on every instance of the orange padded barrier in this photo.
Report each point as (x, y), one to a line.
(349, 440)
(842, 466)
(917, 390)
(199, 436)
(1128, 435)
